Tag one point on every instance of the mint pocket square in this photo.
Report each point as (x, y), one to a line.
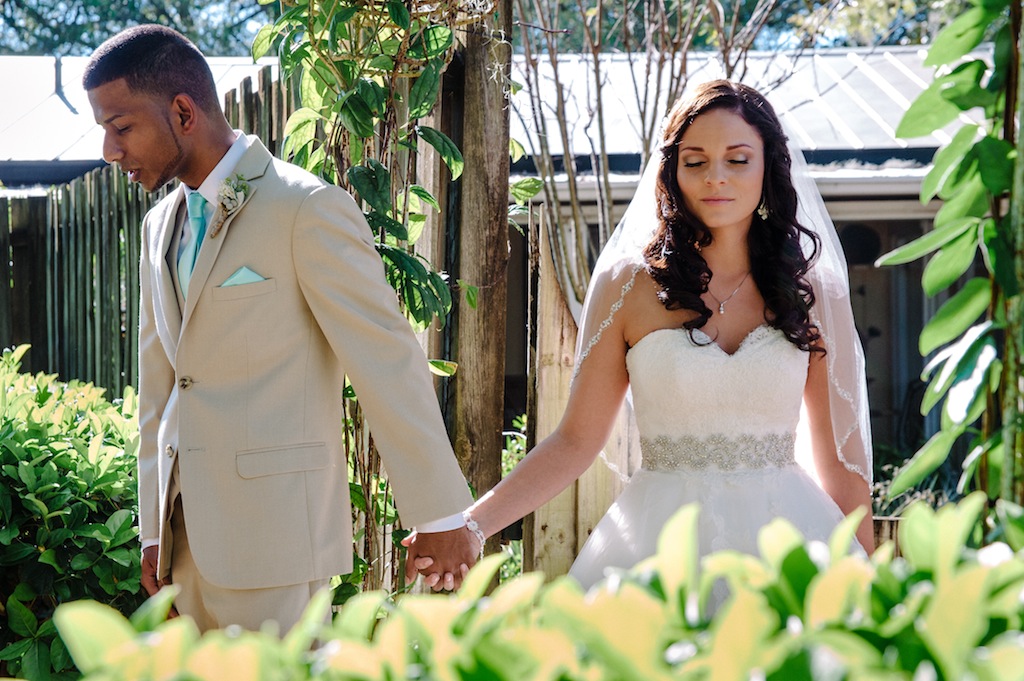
(243, 275)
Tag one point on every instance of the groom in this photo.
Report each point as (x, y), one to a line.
(260, 291)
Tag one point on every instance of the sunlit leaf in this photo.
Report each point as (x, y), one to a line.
(996, 164)
(443, 367)
(930, 241)
(91, 632)
(956, 314)
(947, 160)
(924, 462)
(423, 94)
(447, 149)
(950, 263)
(399, 14)
(960, 37)
(515, 149)
(264, 39)
(525, 189)
(424, 195)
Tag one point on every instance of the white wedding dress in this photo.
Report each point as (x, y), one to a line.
(715, 429)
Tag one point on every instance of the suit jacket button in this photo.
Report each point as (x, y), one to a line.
(170, 451)
(185, 382)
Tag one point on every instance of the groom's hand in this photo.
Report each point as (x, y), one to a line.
(443, 558)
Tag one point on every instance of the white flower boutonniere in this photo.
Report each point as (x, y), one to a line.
(231, 197)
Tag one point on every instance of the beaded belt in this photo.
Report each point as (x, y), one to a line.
(665, 453)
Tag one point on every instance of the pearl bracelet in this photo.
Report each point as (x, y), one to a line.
(474, 527)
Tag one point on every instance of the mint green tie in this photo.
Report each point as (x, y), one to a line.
(197, 228)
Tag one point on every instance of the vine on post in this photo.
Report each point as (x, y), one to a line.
(369, 72)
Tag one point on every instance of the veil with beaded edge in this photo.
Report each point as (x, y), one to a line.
(832, 313)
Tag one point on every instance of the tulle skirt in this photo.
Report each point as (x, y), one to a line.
(734, 506)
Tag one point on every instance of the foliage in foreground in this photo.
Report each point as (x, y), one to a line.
(67, 511)
(800, 611)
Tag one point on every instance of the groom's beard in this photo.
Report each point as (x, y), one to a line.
(170, 169)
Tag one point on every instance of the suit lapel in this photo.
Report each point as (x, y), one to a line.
(251, 168)
(164, 288)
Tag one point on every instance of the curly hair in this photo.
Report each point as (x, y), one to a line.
(777, 262)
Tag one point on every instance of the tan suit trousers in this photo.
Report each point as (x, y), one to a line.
(214, 607)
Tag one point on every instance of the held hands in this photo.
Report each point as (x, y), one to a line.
(443, 558)
(150, 582)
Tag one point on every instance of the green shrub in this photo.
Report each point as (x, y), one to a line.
(67, 511)
(800, 611)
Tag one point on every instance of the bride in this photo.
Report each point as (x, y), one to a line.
(723, 307)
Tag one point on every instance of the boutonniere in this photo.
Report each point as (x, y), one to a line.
(231, 196)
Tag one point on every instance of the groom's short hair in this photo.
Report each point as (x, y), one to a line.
(155, 60)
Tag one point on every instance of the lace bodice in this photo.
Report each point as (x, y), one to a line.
(697, 406)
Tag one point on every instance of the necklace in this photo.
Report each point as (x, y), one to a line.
(721, 303)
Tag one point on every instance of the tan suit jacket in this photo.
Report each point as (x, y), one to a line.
(242, 389)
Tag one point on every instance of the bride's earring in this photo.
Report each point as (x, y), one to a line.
(762, 211)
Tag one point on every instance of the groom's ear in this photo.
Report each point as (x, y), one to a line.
(184, 112)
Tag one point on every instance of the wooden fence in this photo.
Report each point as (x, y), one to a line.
(70, 284)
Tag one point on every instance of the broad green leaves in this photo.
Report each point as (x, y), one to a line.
(67, 509)
(973, 175)
(943, 609)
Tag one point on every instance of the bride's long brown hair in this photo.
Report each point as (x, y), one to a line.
(777, 262)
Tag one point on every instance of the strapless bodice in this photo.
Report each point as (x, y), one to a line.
(698, 406)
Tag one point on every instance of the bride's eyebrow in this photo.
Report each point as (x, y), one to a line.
(731, 147)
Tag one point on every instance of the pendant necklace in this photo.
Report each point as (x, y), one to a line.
(721, 303)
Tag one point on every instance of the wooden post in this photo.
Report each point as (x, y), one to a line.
(549, 534)
(555, 533)
(482, 253)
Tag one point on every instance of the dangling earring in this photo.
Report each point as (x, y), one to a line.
(762, 211)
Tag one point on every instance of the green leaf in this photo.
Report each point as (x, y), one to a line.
(925, 461)
(423, 94)
(966, 400)
(20, 619)
(15, 650)
(379, 223)
(424, 196)
(999, 254)
(950, 263)
(963, 86)
(970, 199)
(472, 293)
(356, 115)
(433, 42)
(961, 353)
(264, 40)
(525, 189)
(399, 14)
(444, 146)
(442, 367)
(35, 664)
(947, 160)
(382, 62)
(996, 161)
(925, 244)
(929, 112)
(515, 149)
(956, 314)
(91, 631)
(372, 181)
(300, 130)
(960, 37)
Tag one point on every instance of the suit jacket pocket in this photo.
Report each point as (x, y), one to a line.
(244, 290)
(256, 463)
